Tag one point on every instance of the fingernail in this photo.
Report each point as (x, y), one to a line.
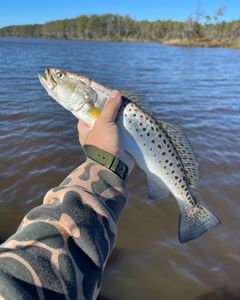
(115, 94)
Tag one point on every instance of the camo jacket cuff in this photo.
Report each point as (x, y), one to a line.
(61, 247)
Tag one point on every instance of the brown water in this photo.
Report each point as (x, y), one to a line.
(196, 88)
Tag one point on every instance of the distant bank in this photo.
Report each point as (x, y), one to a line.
(211, 43)
(123, 28)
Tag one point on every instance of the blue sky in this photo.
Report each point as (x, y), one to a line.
(35, 11)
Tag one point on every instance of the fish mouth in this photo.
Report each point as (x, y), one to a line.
(48, 82)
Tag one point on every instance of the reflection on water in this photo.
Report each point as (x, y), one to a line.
(196, 88)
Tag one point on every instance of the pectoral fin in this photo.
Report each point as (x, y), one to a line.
(94, 113)
(156, 188)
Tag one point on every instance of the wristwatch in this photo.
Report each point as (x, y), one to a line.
(107, 160)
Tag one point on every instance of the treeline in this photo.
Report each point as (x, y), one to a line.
(108, 26)
(116, 27)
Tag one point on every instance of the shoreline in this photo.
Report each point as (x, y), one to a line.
(203, 43)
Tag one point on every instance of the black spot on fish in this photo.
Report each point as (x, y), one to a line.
(134, 115)
(146, 118)
(176, 177)
(166, 161)
(171, 164)
(159, 135)
(180, 180)
(159, 146)
(165, 167)
(169, 151)
(173, 171)
(140, 124)
(163, 153)
(153, 141)
(140, 135)
(130, 121)
(168, 145)
(178, 165)
(150, 149)
(152, 128)
(172, 154)
(144, 129)
(148, 134)
(182, 186)
(164, 141)
(136, 129)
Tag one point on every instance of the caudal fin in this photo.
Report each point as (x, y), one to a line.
(194, 221)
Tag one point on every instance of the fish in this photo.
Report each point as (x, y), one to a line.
(160, 149)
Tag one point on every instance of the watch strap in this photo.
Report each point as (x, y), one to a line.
(107, 160)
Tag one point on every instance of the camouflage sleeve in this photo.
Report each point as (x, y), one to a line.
(61, 247)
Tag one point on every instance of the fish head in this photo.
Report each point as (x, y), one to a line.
(58, 84)
(71, 90)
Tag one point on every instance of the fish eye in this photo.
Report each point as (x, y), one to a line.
(60, 75)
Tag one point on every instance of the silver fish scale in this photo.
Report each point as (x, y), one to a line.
(156, 147)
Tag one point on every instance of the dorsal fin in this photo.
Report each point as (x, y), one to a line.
(184, 150)
(131, 95)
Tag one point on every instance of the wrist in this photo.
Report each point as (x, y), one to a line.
(111, 161)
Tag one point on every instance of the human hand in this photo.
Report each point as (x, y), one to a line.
(104, 133)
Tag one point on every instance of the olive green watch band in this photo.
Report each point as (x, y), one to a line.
(107, 160)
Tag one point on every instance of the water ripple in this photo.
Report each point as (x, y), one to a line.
(196, 88)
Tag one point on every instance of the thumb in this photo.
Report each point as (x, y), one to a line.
(111, 107)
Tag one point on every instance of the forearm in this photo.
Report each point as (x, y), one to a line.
(61, 247)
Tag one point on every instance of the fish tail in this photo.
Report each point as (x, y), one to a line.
(194, 221)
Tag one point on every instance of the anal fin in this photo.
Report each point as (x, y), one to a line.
(156, 188)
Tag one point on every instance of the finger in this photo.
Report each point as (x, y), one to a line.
(83, 129)
(111, 107)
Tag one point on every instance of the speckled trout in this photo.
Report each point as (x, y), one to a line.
(160, 149)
